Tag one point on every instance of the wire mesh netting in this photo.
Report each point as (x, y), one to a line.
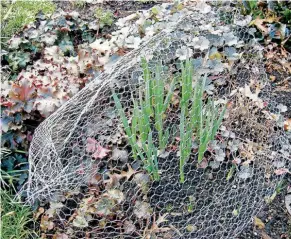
(177, 140)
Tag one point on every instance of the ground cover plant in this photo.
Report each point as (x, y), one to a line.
(100, 186)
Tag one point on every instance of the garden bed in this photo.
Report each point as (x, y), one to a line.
(98, 187)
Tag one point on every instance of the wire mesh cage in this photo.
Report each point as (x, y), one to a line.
(176, 140)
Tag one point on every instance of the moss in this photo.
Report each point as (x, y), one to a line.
(15, 15)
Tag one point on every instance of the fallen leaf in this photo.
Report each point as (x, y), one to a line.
(128, 174)
(142, 209)
(265, 235)
(115, 194)
(38, 213)
(281, 171)
(104, 206)
(94, 147)
(45, 223)
(91, 145)
(245, 172)
(80, 221)
(129, 227)
(100, 152)
(121, 155)
(258, 223)
(282, 108)
(60, 236)
(162, 218)
(287, 125)
(259, 23)
(53, 209)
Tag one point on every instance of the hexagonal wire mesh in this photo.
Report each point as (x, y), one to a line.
(84, 158)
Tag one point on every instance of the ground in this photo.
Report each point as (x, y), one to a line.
(276, 220)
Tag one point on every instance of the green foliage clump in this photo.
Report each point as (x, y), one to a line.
(15, 218)
(105, 17)
(14, 168)
(16, 14)
(154, 105)
(203, 121)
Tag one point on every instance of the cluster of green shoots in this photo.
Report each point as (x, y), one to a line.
(150, 109)
(203, 121)
(15, 217)
(147, 110)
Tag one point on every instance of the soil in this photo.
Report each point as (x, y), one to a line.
(276, 219)
(196, 217)
(119, 8)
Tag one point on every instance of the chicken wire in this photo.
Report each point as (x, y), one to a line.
(82, 164)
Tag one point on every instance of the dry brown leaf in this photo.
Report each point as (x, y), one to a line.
(128, 174)
(272, 78)
(45, 224)
(259, 23)
(115, 177)
(287, 125)
(38, 213)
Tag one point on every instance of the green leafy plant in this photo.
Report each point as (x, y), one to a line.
(14, 168)
(251, 7)
(203, 121)
(15, 218)
(105, 17)
(79, 3)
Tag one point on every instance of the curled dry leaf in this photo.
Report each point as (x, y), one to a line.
(38, 213)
